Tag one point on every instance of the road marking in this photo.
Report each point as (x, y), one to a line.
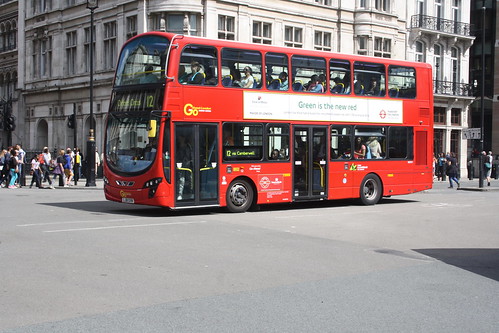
(76, 222)
(125, 226)
(298, 216)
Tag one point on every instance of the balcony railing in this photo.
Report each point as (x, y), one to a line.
(452, 88)
(441, 25)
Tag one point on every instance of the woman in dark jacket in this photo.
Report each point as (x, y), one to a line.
(452, 172)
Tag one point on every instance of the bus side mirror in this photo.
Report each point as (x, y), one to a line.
(151, 131)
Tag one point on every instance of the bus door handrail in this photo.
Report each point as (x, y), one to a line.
(179, 36)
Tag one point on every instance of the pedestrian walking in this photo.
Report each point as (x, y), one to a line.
(36, 172)
(45, 161)
(68, 167)
(14, 169)
(3, 167)
(452, 173)
(487, 166)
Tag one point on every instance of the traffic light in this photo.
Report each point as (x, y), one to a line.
(2, 116)
(71, 121)
(10, 123)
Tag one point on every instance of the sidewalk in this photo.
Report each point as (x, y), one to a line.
(80, 185)
(469, 185)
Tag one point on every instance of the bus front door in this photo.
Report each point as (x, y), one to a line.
(196, 165)
(310, 162)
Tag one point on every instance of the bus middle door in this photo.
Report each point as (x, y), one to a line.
(196, 165)
(310, 162)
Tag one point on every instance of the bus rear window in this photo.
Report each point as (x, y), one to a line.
(142, 61)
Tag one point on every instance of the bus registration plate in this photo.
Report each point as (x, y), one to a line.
(128, 200)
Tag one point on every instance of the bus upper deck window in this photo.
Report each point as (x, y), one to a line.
(198, 65)
(401, 82)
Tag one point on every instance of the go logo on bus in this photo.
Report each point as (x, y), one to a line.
(191, 110)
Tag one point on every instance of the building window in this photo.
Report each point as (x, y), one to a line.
(455, 136)
(40, 6)
(109, 45)
(382, 5)
(182, 23)
(322, 41)
(421, 7)
(71, 2)
(420, 52)
(86, 50)
(8, 36)
(437, 61)
(455, 117)
(382, 47)
(131, 26)
(438, 141)
(71, 42)
(262, 32)
(293, 36)
(455, 64)
(362, 4)
(324, 2)
(439, 116)
(42, 56)
(226, 27)
(362, 42)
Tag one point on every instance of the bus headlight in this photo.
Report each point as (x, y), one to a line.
(152, 185)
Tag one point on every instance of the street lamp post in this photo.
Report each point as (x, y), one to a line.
(92, 5)
(482, 105)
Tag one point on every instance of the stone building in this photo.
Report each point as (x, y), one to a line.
(54, 44)
(9, 93)
(441, 35)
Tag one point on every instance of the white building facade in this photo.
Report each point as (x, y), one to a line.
(54, 45)
(440, 34)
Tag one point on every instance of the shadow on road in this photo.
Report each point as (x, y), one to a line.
(109, 207)
(484, 262)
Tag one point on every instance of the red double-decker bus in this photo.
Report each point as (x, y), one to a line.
(195, 122)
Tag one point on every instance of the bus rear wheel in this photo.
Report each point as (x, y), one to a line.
(239, 196)
(370, 190)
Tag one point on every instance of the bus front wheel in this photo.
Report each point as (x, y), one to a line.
(371, 190)
(239, 196)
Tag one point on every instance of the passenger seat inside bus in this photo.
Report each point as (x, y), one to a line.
(227, 80)
(297, 86)
(274, 84)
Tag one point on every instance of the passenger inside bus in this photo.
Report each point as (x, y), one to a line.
(182, 74)
(283, 76)
(374, 89)
(149, 76)
(228, 140)
(247, 81)
(338, 87)
(360, 149)
(275, 154)
(375, 147)
(358, 86)
(196, 76)
(184, 161)
(315, 84)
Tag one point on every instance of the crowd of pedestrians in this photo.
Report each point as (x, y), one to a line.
(446, 165)
(44, 168)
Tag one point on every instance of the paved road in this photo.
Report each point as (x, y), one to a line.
(72, 262)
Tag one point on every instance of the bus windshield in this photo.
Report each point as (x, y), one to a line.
(131, 142)
(142, 61)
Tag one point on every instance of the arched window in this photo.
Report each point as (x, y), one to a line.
(437, 61)
(419, 54)
(455, 64)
